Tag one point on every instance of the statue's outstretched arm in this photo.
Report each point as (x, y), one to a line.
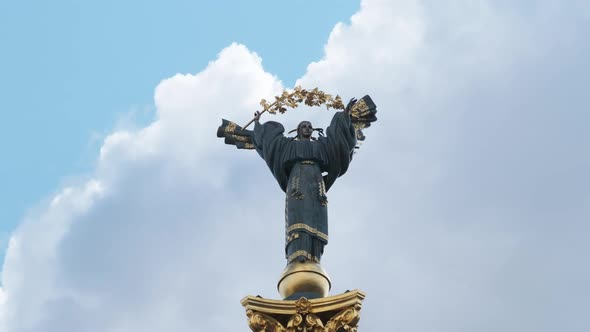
(235, 135)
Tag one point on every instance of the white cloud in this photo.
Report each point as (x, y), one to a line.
(2, 301)
(138, 233)
(462, 211)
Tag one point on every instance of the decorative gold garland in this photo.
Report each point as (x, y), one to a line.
(314, 97)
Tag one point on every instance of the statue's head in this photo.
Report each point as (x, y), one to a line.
(304, 130)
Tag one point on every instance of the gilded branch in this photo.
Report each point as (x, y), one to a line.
(314, 97)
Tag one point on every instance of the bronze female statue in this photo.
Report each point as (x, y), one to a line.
(305, 168)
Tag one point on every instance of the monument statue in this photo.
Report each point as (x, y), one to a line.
(305, 168)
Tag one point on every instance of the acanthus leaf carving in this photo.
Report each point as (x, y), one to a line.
(263, 323)
(346, 319)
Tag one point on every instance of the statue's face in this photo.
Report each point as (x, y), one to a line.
(305, 130)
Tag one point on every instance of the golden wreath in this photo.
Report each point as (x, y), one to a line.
(314, 97)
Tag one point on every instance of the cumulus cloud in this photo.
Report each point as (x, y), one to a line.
(464, 210)
(136, 240)
(2, 300)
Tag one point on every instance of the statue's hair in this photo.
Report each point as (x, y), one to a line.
(319, 130)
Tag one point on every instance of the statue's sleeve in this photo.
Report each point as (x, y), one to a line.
(339, 144)
(270, 143)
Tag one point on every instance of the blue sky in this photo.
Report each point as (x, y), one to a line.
(465, 209)
(72, 70)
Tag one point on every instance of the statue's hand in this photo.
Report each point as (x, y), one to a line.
(257, 116)
(350, 105)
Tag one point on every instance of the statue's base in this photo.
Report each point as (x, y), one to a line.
(307, 279)
(327, 314)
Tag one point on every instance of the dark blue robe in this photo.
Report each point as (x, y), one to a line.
(305, 171)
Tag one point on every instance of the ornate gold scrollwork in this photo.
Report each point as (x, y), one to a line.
(346, 319)
(305, 321)
(303, 306)
(263, 323)
(314, 324)
(294, 323)
(330, 314)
